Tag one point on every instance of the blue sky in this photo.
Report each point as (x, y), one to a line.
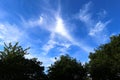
(57, 27)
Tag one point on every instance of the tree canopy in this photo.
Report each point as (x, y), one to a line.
(105, 61)
(14, 66)
(66, 68)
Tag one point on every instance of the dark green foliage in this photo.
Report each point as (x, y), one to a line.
(13, 65)
(66, 68)
(105, 61)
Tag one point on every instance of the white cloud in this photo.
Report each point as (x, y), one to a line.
(85, 15)
(9, 33)
(96, 28)
(33, 22)
(58, 31)
(60, 28)
(99, 27)
(53, 42)
(56, 28)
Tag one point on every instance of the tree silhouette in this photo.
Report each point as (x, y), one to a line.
(105, 61)
(66, 68)
(14, 66)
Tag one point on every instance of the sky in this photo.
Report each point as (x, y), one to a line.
(58, 27)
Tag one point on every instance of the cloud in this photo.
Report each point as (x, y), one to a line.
(54, 42)
(9, 33)
(59, 31)
(96, 28)
(49, 45)
(56, 26)
(85, 15)
(14, 33)
(99, 27)
(36, 23)
(33, 22)
(60, 28)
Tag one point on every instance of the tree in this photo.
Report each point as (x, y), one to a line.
(105, 61)
(66, 68)
(14, 66)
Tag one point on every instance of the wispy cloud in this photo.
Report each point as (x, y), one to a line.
(33, 23)
(85, 15)
(59, 31)
(49, 45)
(60, 28)
(96, 28)
(99, 27)
(9, 33)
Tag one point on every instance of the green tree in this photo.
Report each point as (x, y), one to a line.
(105, 61)
(66, 68)
(14, 66)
